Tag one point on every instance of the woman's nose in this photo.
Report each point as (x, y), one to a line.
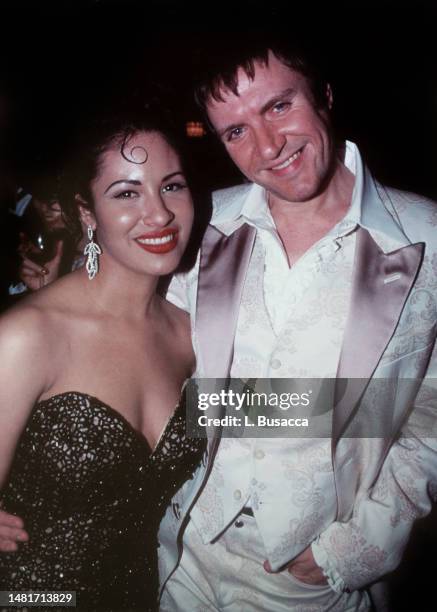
(156, 213)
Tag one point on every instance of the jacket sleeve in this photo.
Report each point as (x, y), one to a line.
(177, 292)
(358, 552)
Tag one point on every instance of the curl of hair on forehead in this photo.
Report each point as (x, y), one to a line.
(135, 155)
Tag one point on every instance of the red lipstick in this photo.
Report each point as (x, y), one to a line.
(158, 242)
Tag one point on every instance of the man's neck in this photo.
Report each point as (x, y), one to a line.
(302, 224)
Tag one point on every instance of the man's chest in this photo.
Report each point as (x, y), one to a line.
(291, 321)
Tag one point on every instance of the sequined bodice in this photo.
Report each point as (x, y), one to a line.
(92, 495)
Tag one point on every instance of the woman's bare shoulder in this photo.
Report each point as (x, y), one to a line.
(34, 336)
(58, 297)
(36, 320)
(23, 323)
(24, 350)
(25, 342)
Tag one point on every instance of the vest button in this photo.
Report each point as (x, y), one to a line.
(239, 524)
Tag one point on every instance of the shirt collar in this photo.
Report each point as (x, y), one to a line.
(366, 210)
(381, 222)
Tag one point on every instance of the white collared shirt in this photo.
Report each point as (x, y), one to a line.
(305, 306)
(290, 325)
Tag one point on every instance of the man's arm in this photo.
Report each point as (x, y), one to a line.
(351, 555)
(177, 292)
(360, 551)
(182, 290)
(11, 531)
(370, 545)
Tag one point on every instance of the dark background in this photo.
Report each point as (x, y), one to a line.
(59, 60)
(64, 57)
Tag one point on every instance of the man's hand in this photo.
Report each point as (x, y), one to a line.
(11, 532)
(35, 276)
(304, 568)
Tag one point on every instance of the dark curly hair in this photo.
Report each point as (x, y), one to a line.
(95, 137)
(218, 64)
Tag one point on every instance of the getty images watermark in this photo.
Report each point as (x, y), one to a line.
(248, 401)
(305, 408)
(252, 407)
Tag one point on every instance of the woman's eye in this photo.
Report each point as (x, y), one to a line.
(126, 195)
(172, 187)
(234, 134)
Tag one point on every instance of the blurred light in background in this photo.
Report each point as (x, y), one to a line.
(195, 129)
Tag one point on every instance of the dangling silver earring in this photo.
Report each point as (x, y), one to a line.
(92, 250)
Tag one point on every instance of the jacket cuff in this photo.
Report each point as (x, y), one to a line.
(320, 555)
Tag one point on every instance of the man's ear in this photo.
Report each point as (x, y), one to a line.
(329, 96)
(86, 216)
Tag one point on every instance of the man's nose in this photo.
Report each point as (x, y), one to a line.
(155, 211)
(269, 141)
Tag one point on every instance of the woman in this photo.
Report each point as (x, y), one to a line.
(92, 369)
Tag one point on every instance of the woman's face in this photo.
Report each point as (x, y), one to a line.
(143, 210)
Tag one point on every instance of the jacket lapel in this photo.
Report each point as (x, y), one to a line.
(223, 266)
(380, 287)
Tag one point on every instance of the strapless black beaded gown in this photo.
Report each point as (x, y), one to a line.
(92, 495)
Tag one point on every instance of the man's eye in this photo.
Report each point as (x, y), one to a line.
(234, 134)
(173, 187)
(280, 107)
(126, 195)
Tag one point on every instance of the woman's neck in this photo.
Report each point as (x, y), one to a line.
(122, 293)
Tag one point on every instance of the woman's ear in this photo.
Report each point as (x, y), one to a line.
(86, 216)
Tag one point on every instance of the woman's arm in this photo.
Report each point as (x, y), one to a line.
(23, 378)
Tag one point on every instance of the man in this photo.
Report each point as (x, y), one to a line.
(312, 270)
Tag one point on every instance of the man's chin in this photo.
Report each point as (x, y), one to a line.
(293, 196)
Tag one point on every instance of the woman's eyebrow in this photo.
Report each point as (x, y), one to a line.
(130, 182)
(172, 174)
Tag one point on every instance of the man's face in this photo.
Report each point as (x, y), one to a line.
(274, 132)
